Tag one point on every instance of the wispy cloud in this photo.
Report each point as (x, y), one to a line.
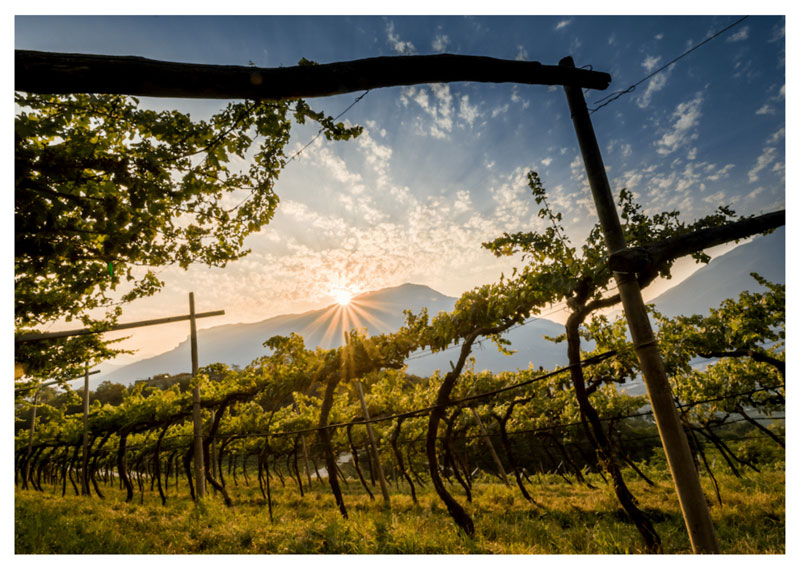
(515, 98)
(778, 33)
(498, 110)
(685, 119)
(467, 112)
(522, 53)
(650, 62)
(766, 157)
(563, 24)
(741, 35)
(656, 83)
(777, 136)
(440, 43)
(400, 46)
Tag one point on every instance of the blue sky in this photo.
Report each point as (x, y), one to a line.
(441, 168)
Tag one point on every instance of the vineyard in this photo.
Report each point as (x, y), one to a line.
(353, 420)
(321, 450)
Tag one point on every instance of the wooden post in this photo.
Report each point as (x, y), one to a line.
(495, 457)
(199, 474)
(30, 438)
(305, 457)
(676, 447)
(372, 445)
(85, 470)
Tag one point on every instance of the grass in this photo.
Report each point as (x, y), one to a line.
(568, 519)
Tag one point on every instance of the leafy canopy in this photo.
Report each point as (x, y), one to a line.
(105, 191)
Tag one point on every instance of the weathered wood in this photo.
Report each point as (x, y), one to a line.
(48, 383)
(485, 434)
(85, 470)
(647, 260)
(373, 445)
(305, 458)
(197, 422)
(687, 482)
(62, 73)
(86, 331)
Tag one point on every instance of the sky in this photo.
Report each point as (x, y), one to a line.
(439, 169)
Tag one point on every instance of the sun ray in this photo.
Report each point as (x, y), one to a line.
(362, 313)
(334, 326)
(321, 319)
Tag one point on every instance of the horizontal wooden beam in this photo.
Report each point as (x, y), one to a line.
(86, 331)
(63, 73)
(57, 381)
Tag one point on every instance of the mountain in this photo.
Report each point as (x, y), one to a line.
(379, 311)
(727, 276)
(382, 311)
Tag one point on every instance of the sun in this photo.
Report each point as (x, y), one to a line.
(342, 296)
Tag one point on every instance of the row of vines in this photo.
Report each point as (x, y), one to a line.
(294, 412)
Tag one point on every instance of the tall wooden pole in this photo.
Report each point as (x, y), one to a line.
(673, 438)
(30, 438)
(199, 474)
(85, 470)
(489, 444)
(372, 445)
(305, 458)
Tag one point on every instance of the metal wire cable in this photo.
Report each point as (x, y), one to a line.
(321, 130)
(616, 95)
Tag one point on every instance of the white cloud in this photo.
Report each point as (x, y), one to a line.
(511, 197)
(650, 62)
(741, 35)
(547, 161)
(685, 118)
(335, 166)
(463, 202)
(443, 121)
(656, 83)
(715, 198)
(440, 108)
(720, 173)
(777, 136)
(499, 110)
(563, 24)
(440, 43)
(401, 47)
(765, 159)
(515, 98)
(467, 112)
(766, 109)
(778, 33)
(377, 157)
(522, 53)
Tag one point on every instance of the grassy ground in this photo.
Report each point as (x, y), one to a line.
(569, 519)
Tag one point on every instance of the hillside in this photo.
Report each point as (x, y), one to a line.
(382, 311)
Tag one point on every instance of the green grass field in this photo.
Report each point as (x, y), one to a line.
(568, 519)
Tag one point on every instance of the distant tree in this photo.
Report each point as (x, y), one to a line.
(106, 191)
(109, 393)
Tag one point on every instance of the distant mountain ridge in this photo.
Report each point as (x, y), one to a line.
(727, 276)
(382, 311)
(378, 311)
